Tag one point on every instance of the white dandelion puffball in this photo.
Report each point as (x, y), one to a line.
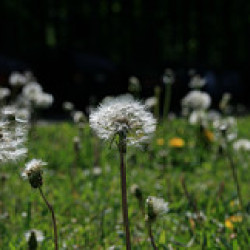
(151, 102)
(158, 205)
(39, 235)
(197, 100)
(4, 92)
(68, 106)
(32, 168)
(17, 79)
(13, 134)
(198, 117)
(123, 115)
(197, 82)
(242, 144)
(32, 90)
(44, 100)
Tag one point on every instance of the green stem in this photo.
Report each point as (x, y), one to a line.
(235, 176)
(151, 236)
(122, 149)
(53, 217)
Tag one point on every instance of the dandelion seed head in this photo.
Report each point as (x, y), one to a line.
(123, 115)
(68, 106)
(39, 235)
(241, 145)
(32, 168)
(196, 100)
(4, 92)
(17, 79)
(156, 206)
(197, 82)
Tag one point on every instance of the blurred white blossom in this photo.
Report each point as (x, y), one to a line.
(197, 82)
(242, 144)
(39, 235)
(196, 100)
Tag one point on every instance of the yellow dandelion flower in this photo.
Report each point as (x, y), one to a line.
(235, 218)
(209, 135)
(234, 203)
(160, 142)
(229, 224)
(176, 142)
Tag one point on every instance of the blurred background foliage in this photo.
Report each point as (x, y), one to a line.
(104, 41)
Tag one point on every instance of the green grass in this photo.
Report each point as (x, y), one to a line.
(88, 207)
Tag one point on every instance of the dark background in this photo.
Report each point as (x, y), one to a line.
(82, 50)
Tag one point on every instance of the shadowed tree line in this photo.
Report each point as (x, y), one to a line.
(139, 36)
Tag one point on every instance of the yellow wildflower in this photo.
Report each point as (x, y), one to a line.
(235, 218)
(232, 219)
(229, 224)
(209, 135)
(176, 142)
(160, 142)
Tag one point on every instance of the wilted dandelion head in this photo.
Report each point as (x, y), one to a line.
(33, 172)
(126, 116)
(155, 207)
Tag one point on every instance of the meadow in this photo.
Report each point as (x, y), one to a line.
(182, 164)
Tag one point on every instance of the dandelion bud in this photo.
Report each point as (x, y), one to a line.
(168, 77)
(134, 84)
(33, 172)
(77, 144)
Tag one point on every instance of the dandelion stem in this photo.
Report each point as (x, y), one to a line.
(190, 199)
(122, 149)
(235, 176)
(53, 217)
(151, 236)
